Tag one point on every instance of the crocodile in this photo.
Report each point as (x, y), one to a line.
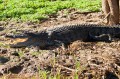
(66, 34)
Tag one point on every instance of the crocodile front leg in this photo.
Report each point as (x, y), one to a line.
(60, 43)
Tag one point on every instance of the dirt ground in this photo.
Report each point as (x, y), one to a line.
(90, 60)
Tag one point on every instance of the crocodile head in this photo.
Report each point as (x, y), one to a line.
(40, 40)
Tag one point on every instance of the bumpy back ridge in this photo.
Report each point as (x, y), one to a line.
(65, 27)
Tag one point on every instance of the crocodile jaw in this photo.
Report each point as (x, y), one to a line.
(31, 42)
(19, 45)
(25, 44)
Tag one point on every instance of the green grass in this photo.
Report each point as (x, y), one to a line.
(34, 10)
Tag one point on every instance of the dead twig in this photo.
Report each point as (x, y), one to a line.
(61, 66)
(106, 17)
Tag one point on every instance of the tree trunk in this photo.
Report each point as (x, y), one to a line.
(105, 7)
(112, 7)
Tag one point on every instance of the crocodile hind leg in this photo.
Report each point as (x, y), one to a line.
(103, 37)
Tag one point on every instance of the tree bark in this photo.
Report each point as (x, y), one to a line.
(105, 7)
(112, 7)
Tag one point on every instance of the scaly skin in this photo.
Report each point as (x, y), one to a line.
(68, 33)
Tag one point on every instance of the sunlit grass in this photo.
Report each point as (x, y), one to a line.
(39, 9)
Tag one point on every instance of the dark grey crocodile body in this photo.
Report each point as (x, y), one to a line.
(68, 33)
